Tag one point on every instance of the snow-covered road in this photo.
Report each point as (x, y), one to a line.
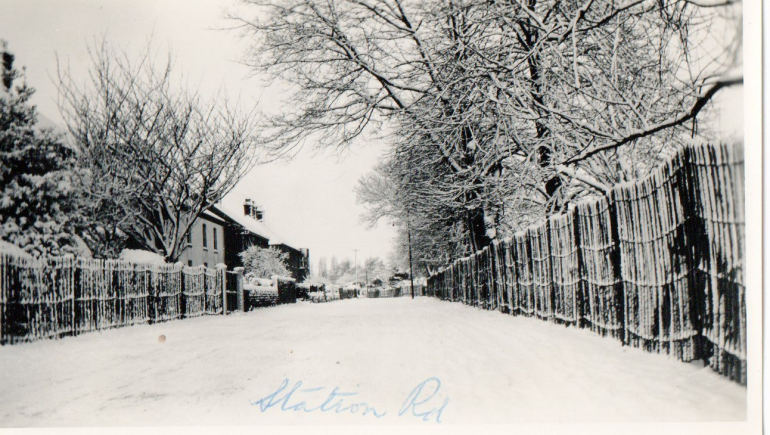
(491, 368)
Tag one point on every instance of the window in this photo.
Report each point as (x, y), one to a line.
(205, 240)
(205, 264)
(215, 237)
(189, 238)
(189, 263)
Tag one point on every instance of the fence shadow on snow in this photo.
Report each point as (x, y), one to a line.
(657, 264)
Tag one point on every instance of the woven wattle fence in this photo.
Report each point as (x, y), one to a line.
(54, 297)
(395, 292)
(657, 264)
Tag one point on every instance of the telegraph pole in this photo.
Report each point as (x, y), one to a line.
(409, 238)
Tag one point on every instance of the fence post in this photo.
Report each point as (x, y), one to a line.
(222, 272)
(182, 296)
(578, 299)
(281, 294)
(152, 294)
(239, 289)
(4, 280)
(205, 290)
(72, 283)
(551, 281)
(615, 259)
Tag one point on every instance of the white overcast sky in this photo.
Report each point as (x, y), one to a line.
(309, 201)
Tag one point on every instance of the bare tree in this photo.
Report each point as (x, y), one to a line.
(610, 87)
(500, 111)
(155, 157)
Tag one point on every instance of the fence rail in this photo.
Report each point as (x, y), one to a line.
(657, 264)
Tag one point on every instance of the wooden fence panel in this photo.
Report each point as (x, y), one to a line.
(38, 297)
(166, 292)
(525, 302)
(464, 276)
(137, 284)
(132, 293)
(453, 285)
(214, 280)
(473, 278)
(510, 277)
(498, 252)
(194, 291)
(485, 287)
(52, 297)
(232, 291)
(541, 270)
(96, 301)
(287, 290)
(658, 263)
(566, 272)
(719, 195)
(656, 251)
(91, 281)
(601, 289)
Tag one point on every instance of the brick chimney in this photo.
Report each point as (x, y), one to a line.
(252, 210)
(248, 206)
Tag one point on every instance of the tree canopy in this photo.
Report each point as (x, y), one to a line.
(497, 112)
(154, 155)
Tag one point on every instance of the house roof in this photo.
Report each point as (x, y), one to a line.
(212, 217)
(259, 228)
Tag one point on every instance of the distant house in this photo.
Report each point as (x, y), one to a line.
(206, 242)
(242, 231)
(239, 235)
(298, 262)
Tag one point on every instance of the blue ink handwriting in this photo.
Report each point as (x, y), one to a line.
(421, 401)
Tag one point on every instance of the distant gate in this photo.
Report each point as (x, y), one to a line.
(231, 289)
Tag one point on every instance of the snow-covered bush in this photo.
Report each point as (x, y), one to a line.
(265, 262)
(11, 249)
(37, 177)
(252, 279)
(140, 256)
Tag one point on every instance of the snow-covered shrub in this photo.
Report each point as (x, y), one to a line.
(11, 249)
(252, 279)
(265, 262)
(37, 176)
(140, 256)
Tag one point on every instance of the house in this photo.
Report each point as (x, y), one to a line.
(206, 242)
(243, 230)
(240, 234)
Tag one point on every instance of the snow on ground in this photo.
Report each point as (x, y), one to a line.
(214, 370)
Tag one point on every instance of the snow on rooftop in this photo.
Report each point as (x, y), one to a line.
(259, 228)
(211, 215)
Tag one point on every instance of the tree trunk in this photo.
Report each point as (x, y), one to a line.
(477, 230)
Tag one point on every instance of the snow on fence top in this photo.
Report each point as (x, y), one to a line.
(259, 288)
(56, 296)
(658, 264)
